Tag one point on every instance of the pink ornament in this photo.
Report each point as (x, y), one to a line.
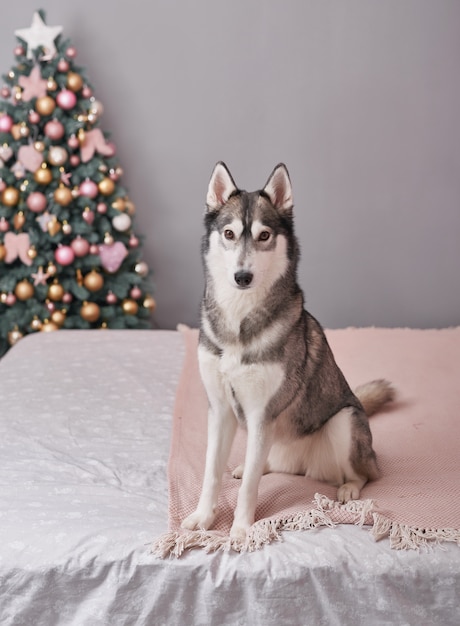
(133, 241)
(88, 216)
(101, 208)
(73, 142)
(135, 293)
(6, 123)
(112, 256)
(5, 92)
(80, 246)
(18, 51)
(113, 176)
(54, 130)
(63, 65)
(74, 160)
(2, 185)
(50, 306)
(67, 298)
(86, 92)
(94, 249)
(111, 298)
(10, 299)
(4, 225)
(71, 52)
(64, 255)
(66, 99)
(88, 188)
(34, 117)
(36, 202)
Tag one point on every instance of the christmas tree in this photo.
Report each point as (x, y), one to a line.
(69, 257)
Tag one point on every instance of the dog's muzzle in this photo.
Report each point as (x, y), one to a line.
(243, 279)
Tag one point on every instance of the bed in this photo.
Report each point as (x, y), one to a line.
(85, 433)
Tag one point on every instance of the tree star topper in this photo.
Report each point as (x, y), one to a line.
(39, 35)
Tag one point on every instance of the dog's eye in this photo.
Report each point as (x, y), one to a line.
(229, 234)
(264, 235)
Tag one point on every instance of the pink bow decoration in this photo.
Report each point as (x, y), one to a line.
(112, 256)
(94, 141)
(17, 246)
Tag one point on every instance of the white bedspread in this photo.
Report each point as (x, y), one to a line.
(84, 442)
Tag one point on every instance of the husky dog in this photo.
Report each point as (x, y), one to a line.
(265, 361)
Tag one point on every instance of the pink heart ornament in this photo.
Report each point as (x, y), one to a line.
(30, 158)
(112, 256)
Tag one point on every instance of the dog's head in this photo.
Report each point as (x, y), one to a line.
(249, 234)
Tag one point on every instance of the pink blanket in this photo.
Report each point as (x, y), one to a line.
(417, 441)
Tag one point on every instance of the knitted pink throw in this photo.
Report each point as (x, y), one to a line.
(416, 500)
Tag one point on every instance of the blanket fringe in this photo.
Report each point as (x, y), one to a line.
(261, 532)
(326, 512)
(403, 537)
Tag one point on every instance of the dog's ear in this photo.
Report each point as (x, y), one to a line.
(278, 189)
(221, 186)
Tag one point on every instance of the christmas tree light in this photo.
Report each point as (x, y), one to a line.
(69, 257)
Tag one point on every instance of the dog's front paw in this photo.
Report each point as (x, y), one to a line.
(198, 520)
(238, 471)
(348, 491)
(238, 534)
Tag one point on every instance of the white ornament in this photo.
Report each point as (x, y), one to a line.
(39, 34)
(121, 222)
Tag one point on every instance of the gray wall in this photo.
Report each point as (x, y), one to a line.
(361, 100)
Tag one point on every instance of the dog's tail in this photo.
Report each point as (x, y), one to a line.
(374, 395)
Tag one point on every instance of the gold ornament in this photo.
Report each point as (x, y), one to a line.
(129, 306)
(149, 303)
(51, 269)
(51, 84)
(32, 253)
(74, 81)
(82, 118)
(2, 252)
(54, 226)
(63, 195)
(93, 281)
(57, 155)
(108, 239)
(24, 290)
(58, 317)
(96, 108)
(3, 297)
(81, 135)
(55, 292)
(16, 131)
(39, 147)
(19, 220)
(79, 278)
(45, 105)
(130, 207)
(90, 311)
(43, 176)
(106, 186)
(66, 228)
(24, 130)
(141, 268)
(48, 327)
(10, 196)
(14, 336)
(36, 324)
(119, 204)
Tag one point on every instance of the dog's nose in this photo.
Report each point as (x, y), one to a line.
(243, 279)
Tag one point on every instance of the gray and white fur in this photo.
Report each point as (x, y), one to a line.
(265, 361)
